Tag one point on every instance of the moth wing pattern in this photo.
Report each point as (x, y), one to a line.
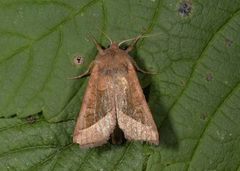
(133, 114)
(97, 119)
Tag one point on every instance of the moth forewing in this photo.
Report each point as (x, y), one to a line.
(93, 126)
(114, 99)
(136, 122)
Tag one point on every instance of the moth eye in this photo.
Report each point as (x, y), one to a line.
(123, 46)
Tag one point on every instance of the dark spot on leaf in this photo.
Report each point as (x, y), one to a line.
(31, 119)
(209, 77)
(228, 42)
(203, 116)
(183, 83)
(78, 60)
(13, 116)
(185, 8)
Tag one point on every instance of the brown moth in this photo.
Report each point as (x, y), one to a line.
(114, 101)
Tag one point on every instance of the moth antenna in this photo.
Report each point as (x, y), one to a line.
(98, 46)
(135, 40)
(110, 40)
(127, 40)
(133, 43)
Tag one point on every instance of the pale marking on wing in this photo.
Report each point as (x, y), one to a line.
(101, 130)
(138, 131)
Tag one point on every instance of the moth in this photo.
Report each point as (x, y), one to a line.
(114, 102)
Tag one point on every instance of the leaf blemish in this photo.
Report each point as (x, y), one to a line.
(209, 77)
(203, 116)
(78, 60)
(13, 116)
(31, 119)
(185, 8)
(228, 42)
(183, 83)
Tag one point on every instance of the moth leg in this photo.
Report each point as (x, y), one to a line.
(140, 69)
(87, 72)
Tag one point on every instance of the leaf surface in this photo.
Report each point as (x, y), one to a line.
(194, 98)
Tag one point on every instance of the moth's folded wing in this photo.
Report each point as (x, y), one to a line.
(96, 120)
(134, 116)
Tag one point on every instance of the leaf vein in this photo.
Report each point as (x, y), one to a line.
(226, 97)
(119, 161)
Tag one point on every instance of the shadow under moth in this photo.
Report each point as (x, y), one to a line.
(114, 104)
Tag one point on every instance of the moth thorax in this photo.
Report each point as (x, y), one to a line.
(114, 71)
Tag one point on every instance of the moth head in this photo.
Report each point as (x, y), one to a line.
(134, 41)
(116, 46)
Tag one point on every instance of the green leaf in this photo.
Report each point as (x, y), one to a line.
(194, 97)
